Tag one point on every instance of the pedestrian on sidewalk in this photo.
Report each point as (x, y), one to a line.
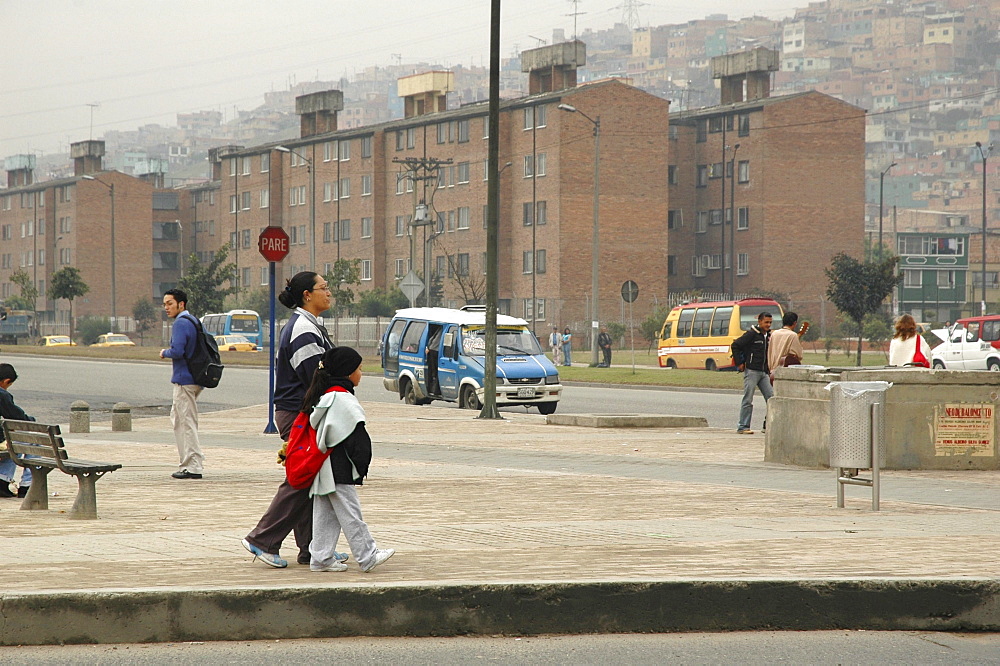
(750, 356)
(555, 343)
(300, 348)
(10, 410)
(567, 346)
(604, 342)
(184, 406)
(339, 420)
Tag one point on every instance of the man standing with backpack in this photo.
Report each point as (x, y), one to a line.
(184, 409)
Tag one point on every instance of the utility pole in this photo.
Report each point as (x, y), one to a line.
(421, 170)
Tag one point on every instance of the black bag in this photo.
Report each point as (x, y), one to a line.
(205, 365)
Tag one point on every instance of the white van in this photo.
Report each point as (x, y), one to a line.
(972, 343)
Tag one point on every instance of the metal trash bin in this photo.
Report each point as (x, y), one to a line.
(857, 429)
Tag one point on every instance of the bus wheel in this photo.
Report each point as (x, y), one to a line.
(710, 365)
(547, 407)
(672, 364)
(469, 399)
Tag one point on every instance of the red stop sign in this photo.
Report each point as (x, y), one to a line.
(273, 243)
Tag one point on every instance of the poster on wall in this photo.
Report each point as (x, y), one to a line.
(964, 429)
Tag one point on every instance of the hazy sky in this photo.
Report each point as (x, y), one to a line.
(139, 61)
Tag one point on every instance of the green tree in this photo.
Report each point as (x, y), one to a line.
(29, 292)
(203, 282)
(617, 331)
(345, 272)
(91, 327)
(258, 300)
(67, 283)
(380, 302)
(146, 314)
(652, 325)
(858, 288)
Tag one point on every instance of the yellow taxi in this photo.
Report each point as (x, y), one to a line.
(234, 343)
(113, 340)
(56, 341)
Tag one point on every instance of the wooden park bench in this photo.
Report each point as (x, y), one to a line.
(45, 442)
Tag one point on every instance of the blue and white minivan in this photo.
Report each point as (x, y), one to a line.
(439, 354)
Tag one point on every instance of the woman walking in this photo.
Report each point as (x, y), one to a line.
(567, 347)
(302, 344)
(907, 346)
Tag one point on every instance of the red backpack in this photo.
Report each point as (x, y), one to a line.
(303, 458)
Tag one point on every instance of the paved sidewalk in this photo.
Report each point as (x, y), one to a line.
(500, 526)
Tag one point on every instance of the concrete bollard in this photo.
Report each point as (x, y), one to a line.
(121, 417)
(79, 416)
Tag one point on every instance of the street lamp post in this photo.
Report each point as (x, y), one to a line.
(595, 242)
(732, 223)
(984, 154)
(881, 206)
(312, 204)
(114, 301)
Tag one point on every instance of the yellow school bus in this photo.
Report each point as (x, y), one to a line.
(698, 335)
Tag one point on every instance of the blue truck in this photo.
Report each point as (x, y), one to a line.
(14, 326)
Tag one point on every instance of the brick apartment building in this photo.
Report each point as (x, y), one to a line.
(357, 191)
(788, 171)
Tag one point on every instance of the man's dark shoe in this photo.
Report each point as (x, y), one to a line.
(184, 474)
(5, 489)
(22, 491)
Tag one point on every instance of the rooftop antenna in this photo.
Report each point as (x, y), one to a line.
(93, 105)
(576, 12)
(541, 42)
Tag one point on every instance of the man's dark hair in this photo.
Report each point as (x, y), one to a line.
(7, 372)
(789, 319)
(179, 295)
(763, 315)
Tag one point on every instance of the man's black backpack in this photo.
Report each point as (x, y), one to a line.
(205, 364)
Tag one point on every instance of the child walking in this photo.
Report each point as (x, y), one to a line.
(339, 421)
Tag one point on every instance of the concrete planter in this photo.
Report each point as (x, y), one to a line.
(934, 419)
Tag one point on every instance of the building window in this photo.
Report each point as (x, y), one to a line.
(540, 165)
(463, 172)
(715, 216)
(913, 278)
(366, 185)
(462, 267)
(366, 146)
(344, 150)
(744, 171)
(366, 227)
(671, 264)
(529, 118)
(246, 200)
(442, 132)
(946, 279)
(327, 151)
(702, 175)
(411, 137)
(327, 232)
(701, 130)
(697, 270)
(399, 139)
(743, 218)
(527, 265)
(526, 211)
(486, 127)
(463, 217)
(265, 198)
(400, 177)
(463, 131)
(345, 188)
(529, 166)
(366, 269)
(742, 263)
(345, 230)
(540, 261)
(264, 275)
(715, 170)
(232, 203)
(541, 114)
(400, 225)
(675, 219)
(541, 212)
(246, 166)
(702, 223)
(744, 129)
(672, 174)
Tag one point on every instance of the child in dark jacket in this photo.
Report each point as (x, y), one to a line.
(339, 421)
(10, 410)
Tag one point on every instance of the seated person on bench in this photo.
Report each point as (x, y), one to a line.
(10, 410)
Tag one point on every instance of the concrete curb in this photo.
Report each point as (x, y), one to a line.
(513, 609)
(627, 421)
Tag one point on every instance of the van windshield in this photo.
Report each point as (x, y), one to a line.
(510, 341)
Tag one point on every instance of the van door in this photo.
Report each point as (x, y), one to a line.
(973, 356)
(390, 352)
(448, 363)
(951, 351)
(411, 353)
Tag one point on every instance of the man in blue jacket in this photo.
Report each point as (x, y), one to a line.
(750, 356)
(184, 410)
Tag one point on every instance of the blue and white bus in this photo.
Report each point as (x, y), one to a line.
(236, 322)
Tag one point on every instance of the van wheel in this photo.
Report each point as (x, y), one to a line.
(938, 365)
(408, 393)
(469, 398)
(993, 365)
(547, 407)
(672, 364)
(710, 365)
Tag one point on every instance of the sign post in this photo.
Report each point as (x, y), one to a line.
(630, 292)
(273, 246)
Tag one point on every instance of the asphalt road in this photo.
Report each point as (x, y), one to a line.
(48, 386)
(765, 647)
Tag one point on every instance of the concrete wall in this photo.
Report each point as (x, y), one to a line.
(920, 431)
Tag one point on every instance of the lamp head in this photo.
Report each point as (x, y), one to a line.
(979, 145)
(88, 177)
(567, 107)
(282, 149)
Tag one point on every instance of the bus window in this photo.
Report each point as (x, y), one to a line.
(720, 323)
(668, 327)
(749, 314)
(702, 322)
(213, 324)
(411, 339)
(684, 323)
